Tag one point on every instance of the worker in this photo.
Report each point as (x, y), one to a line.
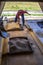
(5, 21)
(3, 32)
(20, 13)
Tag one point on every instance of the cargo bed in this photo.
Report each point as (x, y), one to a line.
(35, 58)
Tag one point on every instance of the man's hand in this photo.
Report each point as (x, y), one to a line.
(29, 14)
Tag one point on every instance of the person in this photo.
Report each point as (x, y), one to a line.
(5, 21)
(3, 32)
(20, 13)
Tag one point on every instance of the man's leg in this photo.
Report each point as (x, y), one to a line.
(23, 19)
(15, 19)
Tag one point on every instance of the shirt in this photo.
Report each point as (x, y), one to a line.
(20, 12)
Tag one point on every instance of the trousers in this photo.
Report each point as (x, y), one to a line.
(22, 19)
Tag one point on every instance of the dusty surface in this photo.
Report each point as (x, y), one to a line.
(22, 59)
(12, 25)
(34, 59)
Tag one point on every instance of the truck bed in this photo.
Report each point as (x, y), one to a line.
(36, 58)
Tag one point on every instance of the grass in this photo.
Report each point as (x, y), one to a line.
(25, 15)
(14, 6)
(21, 5)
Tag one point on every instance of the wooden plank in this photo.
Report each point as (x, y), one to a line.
(12, 25)
(5, 46)
(38, 42)
(17, 34)
(1, 48)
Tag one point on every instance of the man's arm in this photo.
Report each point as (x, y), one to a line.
(28, 13)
